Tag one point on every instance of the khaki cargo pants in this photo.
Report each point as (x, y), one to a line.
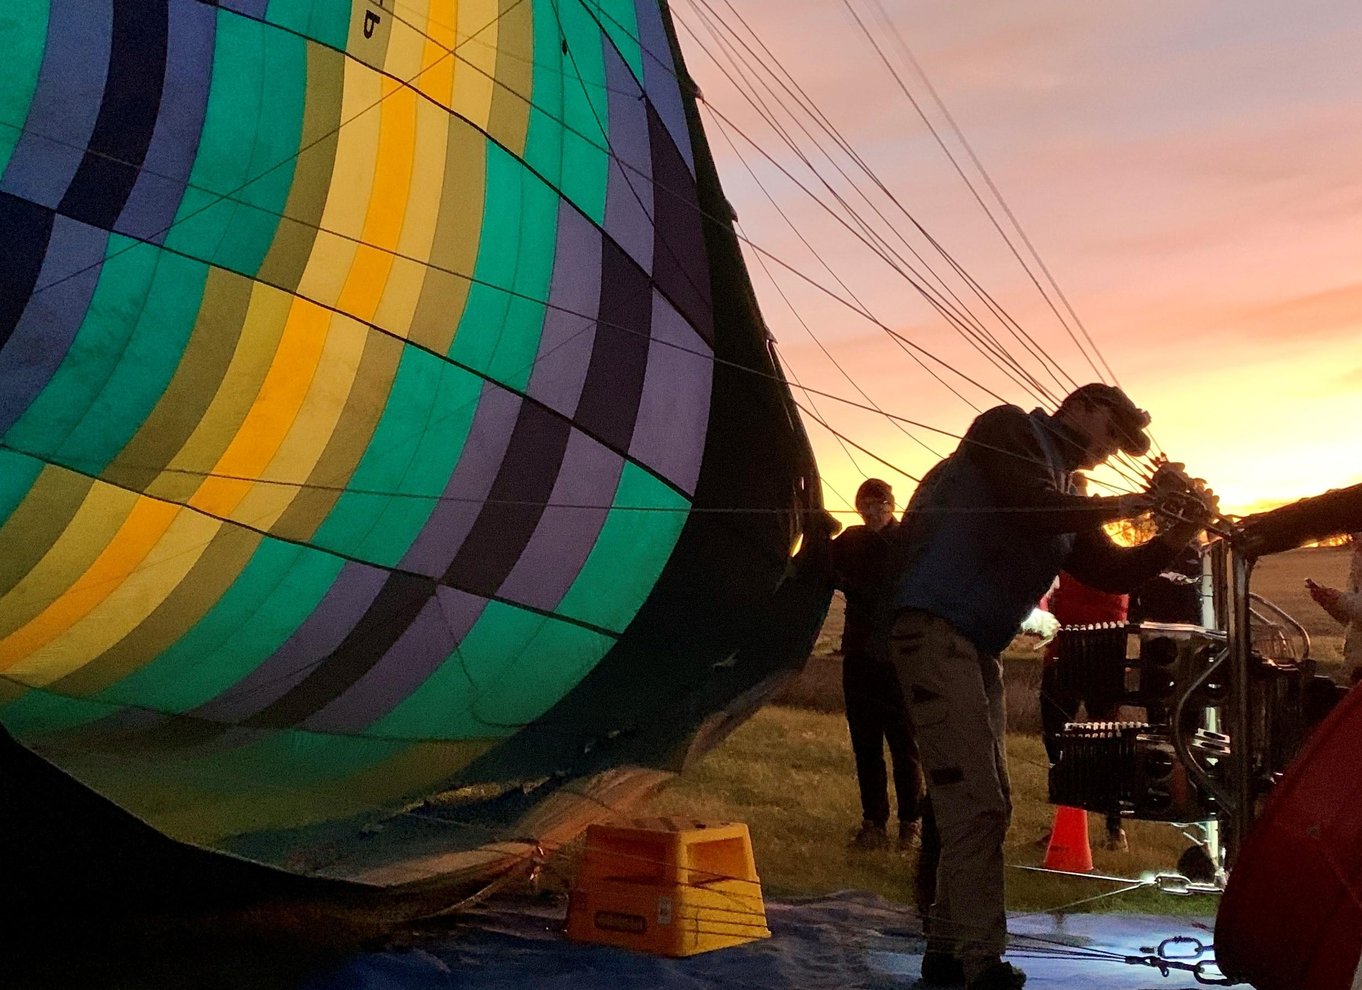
(955, 697)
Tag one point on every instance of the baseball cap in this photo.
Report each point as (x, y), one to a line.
(1130, 420)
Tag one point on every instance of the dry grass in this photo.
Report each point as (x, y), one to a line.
(788, 774)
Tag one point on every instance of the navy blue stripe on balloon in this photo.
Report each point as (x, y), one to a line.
(619, 357)
(127, 114)
(53, 314)
(680, 261)
(155, 199)
(25, 228)
(65, 105)
(515, 504)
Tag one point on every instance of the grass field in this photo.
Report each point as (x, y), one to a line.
(788, 774)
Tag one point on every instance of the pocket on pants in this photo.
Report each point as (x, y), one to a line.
(927, 707)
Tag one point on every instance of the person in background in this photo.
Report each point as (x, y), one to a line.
(1074, 603)
(1345, 606)
(875, 709)
(1174, 595)
(987, 531)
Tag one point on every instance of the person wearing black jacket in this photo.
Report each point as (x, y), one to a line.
(875, 709)
(988, 530)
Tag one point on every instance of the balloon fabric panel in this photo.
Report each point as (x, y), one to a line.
(353, 385)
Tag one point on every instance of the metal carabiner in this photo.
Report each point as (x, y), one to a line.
(1199, 947)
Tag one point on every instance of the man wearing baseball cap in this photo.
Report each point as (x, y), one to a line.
(985, 534)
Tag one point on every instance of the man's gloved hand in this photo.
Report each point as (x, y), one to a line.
(1182, 497)
(1041, 623)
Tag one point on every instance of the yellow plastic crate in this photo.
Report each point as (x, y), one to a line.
(668, 887)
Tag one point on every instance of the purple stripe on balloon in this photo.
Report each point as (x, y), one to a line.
(155, 198)
(659, 77)
(469, 484)
(321, 633)
(251, 8)
(570, 324)
(629, 191)
(423, 647)
(673, 414)
(55, 312)
(567, 530)
(65, 104)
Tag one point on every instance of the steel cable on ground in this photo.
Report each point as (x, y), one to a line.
(539, 852)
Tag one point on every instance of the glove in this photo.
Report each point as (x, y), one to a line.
(1041, 623)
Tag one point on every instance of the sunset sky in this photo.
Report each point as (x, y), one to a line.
(1189, 172)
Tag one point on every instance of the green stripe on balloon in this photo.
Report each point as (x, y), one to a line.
(634, 545)
(486, 688)
(327, 21)
(125, 281)
(17, 475)
(499, 332)
(414, 449)
(276, 592)
(23, 25)
(252, 128)
(144, 369)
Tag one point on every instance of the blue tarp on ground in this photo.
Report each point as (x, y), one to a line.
(850, 940)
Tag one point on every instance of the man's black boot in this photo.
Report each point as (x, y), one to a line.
(941, 969)
(999, 976)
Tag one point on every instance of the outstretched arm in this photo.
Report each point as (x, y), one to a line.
(1343, 606)
(1004, 447)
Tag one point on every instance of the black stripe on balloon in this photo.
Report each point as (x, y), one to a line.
(127, 114)
(394, 609)
(680, 261)
(523, 486)
(25, 229)
(608, 406)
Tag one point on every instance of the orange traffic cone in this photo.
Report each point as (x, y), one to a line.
(1069, 850)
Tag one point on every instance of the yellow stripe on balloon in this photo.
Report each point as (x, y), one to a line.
(312, 428)
(437, 62)
(387, 204)
(402, 292)
(131, 601)
(352, 185)
(402, 58)
(261, 330)
(475, 68)
(270, 417)
(139, 533)
(101, 514)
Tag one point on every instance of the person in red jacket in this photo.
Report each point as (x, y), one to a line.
(1074, 603)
